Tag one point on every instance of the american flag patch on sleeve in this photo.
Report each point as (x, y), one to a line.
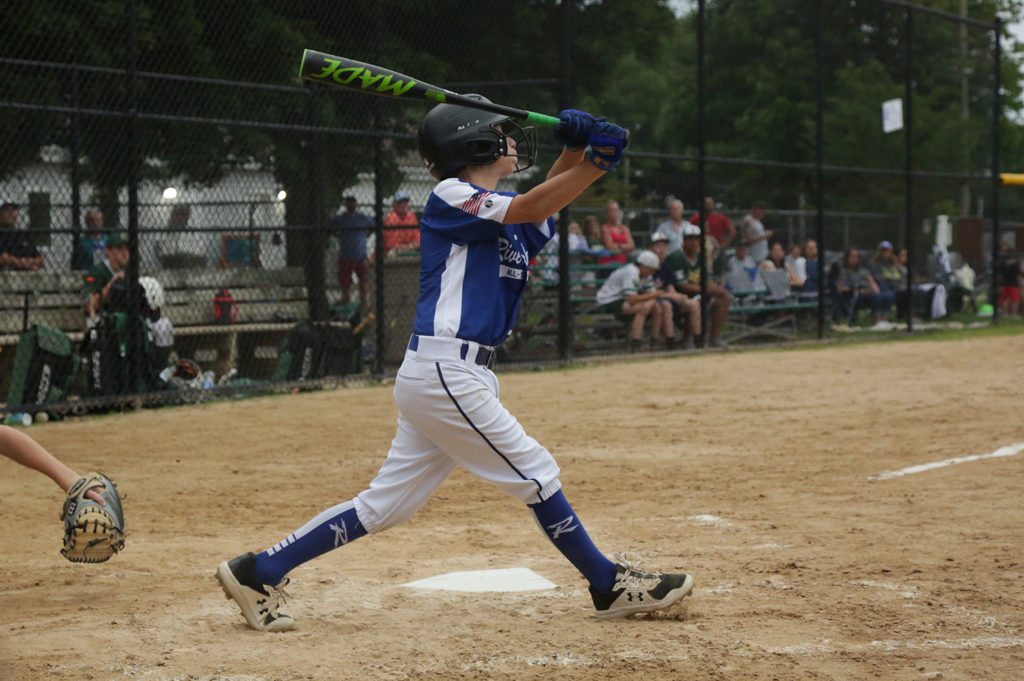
(473, 204)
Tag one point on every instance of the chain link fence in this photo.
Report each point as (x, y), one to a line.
(191, 221)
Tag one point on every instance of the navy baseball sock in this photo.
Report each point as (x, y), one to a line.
(334, 527)
(566, 532)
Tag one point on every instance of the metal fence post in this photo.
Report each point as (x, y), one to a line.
(136, 363)
(996, 115)
(702, 169)
(819, 156)
(908, 158)
(565, 318)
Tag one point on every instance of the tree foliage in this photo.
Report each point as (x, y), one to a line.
(634, 62)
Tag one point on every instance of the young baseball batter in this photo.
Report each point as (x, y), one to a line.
(476, 245)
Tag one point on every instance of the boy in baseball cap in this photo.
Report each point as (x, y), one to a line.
(104, 287)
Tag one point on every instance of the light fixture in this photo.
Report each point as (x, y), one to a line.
(282, 195)
(170, 193)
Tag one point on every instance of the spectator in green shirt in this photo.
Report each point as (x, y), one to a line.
(105, 288)
(686, 265)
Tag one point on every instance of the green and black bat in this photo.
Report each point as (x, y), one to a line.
(376, 80)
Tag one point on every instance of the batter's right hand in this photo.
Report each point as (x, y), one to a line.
(574, 129)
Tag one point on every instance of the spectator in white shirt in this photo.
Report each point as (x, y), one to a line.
(629, 293)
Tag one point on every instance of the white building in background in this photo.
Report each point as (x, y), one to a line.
(245, 198)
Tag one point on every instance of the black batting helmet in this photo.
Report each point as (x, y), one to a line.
(453, 137)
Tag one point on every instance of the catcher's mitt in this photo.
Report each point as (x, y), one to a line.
(92, 532)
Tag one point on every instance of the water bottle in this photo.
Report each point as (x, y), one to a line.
(208, 379)
(18, 419)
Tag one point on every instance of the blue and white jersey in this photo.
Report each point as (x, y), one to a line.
(473, 268)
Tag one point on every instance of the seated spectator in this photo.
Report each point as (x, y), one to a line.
(615, 236)
(776, 260)
(401, 241)
(740, 261)
(677, 306)
(592, 231)
(795, 259)
(812, 282)
(595, 249)
(927, 298)
(549, 254)
(857, 290)
(686, 265)
(629, 292)
(92, 243)
(17, 252)
(890, 277)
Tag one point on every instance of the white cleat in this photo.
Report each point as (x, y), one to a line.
(636, 591)
(259, 602)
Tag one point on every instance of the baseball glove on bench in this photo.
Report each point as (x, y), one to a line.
(92, 532)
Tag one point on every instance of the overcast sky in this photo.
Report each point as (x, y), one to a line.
(682, 6)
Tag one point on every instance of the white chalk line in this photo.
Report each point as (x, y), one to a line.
(1009, 450)
(827, 647)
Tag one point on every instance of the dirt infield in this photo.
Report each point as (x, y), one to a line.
(749, 470)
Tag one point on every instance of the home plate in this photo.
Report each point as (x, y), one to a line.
(509, 579)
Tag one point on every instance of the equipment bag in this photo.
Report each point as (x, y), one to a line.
(109, 357)
(44, 366)
(341, 349)
(301, 355)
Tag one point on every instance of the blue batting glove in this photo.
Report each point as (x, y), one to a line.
(574, 129)
(607, 141)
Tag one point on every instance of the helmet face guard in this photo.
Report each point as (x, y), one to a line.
(525, 138)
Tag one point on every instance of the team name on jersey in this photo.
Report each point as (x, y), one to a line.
(513, 259)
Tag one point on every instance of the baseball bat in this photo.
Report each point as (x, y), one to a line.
(369, 318)
(376, 80)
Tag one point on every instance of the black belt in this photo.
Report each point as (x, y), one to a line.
(484, 357)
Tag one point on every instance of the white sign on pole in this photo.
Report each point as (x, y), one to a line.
(892, 115)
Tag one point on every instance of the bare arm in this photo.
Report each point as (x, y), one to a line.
(14, 262)
(607, 241)
(642, 297)
(19, 447)
(794, 280)
(730, 232)
(630, 244)
(567, 159)
(552, 195)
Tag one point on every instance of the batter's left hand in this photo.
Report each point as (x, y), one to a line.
(607, 141)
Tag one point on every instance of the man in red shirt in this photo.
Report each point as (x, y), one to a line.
(719, 226)
(397, 241)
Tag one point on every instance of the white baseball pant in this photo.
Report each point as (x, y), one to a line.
(449, 414)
